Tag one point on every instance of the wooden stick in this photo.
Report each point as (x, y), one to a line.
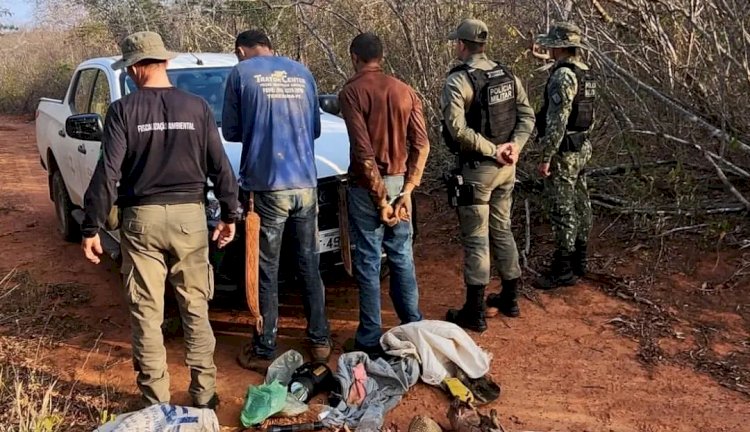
(621, 169)
(607, 18)
(672, 211)
(332, 58)
(688, 115)
(727, 183)
(734, 168)
(527, 241)
(680, 229)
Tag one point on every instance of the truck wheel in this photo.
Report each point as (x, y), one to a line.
(68, 226)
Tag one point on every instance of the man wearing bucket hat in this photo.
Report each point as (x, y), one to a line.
(564, 123)
(487, 120)
(161, 144)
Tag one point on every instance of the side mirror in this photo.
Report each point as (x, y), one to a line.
(329, 104)
(85, 127)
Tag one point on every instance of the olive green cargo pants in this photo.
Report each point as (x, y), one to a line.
(160, 243)
(485, 228)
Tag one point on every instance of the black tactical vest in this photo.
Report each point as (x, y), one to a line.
(493, 111)
(582, 113)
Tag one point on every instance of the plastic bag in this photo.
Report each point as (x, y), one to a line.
(283, 367)
(281, 370)
(164, 418)
(262, 402)
(293, 407)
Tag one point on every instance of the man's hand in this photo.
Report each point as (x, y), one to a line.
(402, 206)
(387, 214)
(544, 170)
(224, 233)
(92, 248)
(512, 153)
(502, 153)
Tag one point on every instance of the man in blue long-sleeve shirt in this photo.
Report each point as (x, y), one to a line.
(271, 106)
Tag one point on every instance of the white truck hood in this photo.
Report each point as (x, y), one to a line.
(331, 149)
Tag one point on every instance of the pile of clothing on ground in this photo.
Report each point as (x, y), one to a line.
(360, 391)
(364, 388)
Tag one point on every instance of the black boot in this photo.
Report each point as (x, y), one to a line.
(471, 316)
(560, 273)
(506, 302)
(580, 262)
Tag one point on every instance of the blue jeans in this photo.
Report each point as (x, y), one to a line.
(370, 237)
(298, 207)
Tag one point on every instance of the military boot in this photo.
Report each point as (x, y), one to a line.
(506, 302)
(471, 316)
(579, 260)
(559, 274)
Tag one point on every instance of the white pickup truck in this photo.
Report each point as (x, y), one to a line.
(70, 161)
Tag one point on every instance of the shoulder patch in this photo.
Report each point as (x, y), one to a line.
(556, 98)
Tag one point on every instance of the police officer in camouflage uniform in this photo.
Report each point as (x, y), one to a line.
(487, 120)
(564, 124)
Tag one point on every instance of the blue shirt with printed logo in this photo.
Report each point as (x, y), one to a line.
(271, 106)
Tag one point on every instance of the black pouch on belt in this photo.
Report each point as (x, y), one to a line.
(573, 142)
(459, 193)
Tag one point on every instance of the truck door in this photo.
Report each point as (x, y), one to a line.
(74, 149)
(91, 150)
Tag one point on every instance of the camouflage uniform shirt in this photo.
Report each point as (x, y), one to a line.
(561, 90)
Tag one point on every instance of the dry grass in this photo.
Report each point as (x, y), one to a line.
(39, 311)
(30, 401)
(34, 318)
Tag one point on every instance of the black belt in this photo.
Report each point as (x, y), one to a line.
(474, 161)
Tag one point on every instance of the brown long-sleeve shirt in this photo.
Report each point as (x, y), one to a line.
(386, 129)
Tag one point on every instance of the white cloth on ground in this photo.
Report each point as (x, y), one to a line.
(440, 347)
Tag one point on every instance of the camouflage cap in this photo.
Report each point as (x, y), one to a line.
(562, 35)
(471, 30)
(142, 46)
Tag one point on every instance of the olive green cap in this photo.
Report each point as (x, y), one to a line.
(142, 46)
(471, 30)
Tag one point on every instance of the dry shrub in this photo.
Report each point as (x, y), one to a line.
(684, 52)
(39, 63)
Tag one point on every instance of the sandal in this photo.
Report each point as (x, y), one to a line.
(248, 359)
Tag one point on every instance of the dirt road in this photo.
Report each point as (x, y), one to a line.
(563, 366)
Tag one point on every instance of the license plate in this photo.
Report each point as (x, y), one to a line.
(329, 240)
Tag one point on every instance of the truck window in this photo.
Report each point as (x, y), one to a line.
(207, 83)
(82, 94)
(100, 99)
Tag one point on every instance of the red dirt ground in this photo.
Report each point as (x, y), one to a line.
(562, 365)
